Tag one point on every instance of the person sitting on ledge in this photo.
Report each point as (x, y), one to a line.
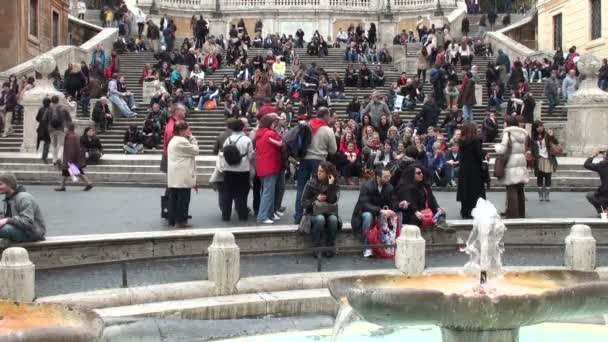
(599, 198)
(22, 218)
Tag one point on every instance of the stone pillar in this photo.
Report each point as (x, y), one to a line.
(224, 263)
(586, 125)
(410, 257)
(479, 94)
(538, 110)
(580, 249)
(147, 91)
(32, 100)
(17, 276)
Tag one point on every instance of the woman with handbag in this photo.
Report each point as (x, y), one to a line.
(423, 210)
(513, 149)
(320, 203)
(545, 148)
(470, 175)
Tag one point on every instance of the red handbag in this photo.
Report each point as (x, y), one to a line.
(427, 214)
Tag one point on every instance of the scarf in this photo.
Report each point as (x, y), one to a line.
(317, 123)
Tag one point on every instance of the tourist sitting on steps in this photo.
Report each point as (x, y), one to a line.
(599, 198)
(320, 201)
(93, 150)
(22, 218)
(132, 141)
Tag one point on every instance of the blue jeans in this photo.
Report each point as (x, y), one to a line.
(603, 84)
(367, 219)
(308, 167)
(467, 112)
(355, 116)
(324, 224)
(279, 190)
(553, 100)
(14, 234)
(267, 193)
(84, 102)
(123, 108)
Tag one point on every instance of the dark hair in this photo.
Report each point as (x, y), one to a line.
(86, 130)
(6, 84)
(46, 102)
(535, 134)
(468, 132)
(267, 120)
(512, 121)
(71, 127)
(31, 80)
(55, 99)
(322, 112)
(179, 127)
(329, 168)
(235, 125)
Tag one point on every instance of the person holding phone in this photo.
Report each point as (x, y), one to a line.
(320, 200)
(599, 197)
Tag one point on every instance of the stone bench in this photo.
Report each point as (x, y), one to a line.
(70, 250)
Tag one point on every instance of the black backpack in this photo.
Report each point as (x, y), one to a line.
(55, 120)
(232, 155)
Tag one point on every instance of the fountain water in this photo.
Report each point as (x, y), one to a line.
(462, 304)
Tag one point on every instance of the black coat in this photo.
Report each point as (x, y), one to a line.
(602, 169)
(428, 116)
(43, 125)
(314, 188)
(465, 25)
(471, 175)
(414, 193)
(372, 201)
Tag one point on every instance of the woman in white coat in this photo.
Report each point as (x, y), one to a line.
(181, 173)
(516, 171)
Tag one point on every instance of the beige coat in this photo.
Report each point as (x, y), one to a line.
(516, 171)
(181, 163)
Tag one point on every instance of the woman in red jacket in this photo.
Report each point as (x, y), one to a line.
(268, 145)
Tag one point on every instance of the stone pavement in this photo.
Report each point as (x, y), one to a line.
(116, 209)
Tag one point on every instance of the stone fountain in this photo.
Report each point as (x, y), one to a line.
(481, 303)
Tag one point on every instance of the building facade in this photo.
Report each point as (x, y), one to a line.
(580, 23)
(31, 27)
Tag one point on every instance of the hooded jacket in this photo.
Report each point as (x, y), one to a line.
(516, 171)
(23, 213)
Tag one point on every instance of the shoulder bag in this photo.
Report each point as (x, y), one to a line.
(427, 213)
(501, 160)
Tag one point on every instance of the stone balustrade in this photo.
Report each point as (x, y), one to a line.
(187, 4)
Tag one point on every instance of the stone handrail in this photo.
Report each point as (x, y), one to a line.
(184, 4)
(66, 54)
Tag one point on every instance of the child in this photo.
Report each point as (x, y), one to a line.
(351, 169)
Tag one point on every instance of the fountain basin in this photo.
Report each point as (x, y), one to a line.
(448, 300)
(32, 322)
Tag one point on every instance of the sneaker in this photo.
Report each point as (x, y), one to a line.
(276, 217)
(60, 188)
(88, 187)
(267, 221)
(367, 253)
(279, 214)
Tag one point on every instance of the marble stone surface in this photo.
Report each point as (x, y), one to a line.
(580, 254)
(224, 263)
(17, 276)
(410, 256)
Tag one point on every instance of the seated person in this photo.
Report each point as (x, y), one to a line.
(378, 77)
(351, 77)
(320, 200)
(385, 55)
(451, 94)
(209, 92)
(365, 77)
(200, 74)
(102, 115)
(375, 198)
(151, 135)
(452, 162)
(599, 198)
(278, 69)
(22, 219)
(132, 141)
(91, 145)
(352, 168)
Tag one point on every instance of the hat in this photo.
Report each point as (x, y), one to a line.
(9, 179)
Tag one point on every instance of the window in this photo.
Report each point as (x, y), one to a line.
(55, 32)
(34, 18)
(596, 19)
(557, 31)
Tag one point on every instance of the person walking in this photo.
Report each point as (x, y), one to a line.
(569, 85)
(599, 197)
(513, 143)
(58, 118)
(74, 160)
(323, 143)
(470, 175)
(468, 98)
(552, 91)
(181, 173)
(545, 148)
(81, 8)
(236, 185)
(320, 200)
(42, 131)
(22, 219)
(268, 145)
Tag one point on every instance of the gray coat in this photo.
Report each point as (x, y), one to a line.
(25, 214)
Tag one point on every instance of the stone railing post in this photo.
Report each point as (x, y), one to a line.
(224, 264)
(17, 276)
(410, 257)
(580, 249)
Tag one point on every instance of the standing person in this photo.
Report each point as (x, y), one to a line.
(468, 98)
(176, 113)
(376, 198)
(470, 175)
(81, 8)
(376, 108)
(514, 139)
(73, 159)
(464, 27)
(323, 143)
(140, 19)
(8, 104)
(422, 63)
(181, 173)
(599, 198)
(320, 200)
(43, 129)
(569, 85)
(268, 145)
(236, 174)
(552, 91)
(22, 219)
(58, 118)
(545, 161)
(371, 35)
